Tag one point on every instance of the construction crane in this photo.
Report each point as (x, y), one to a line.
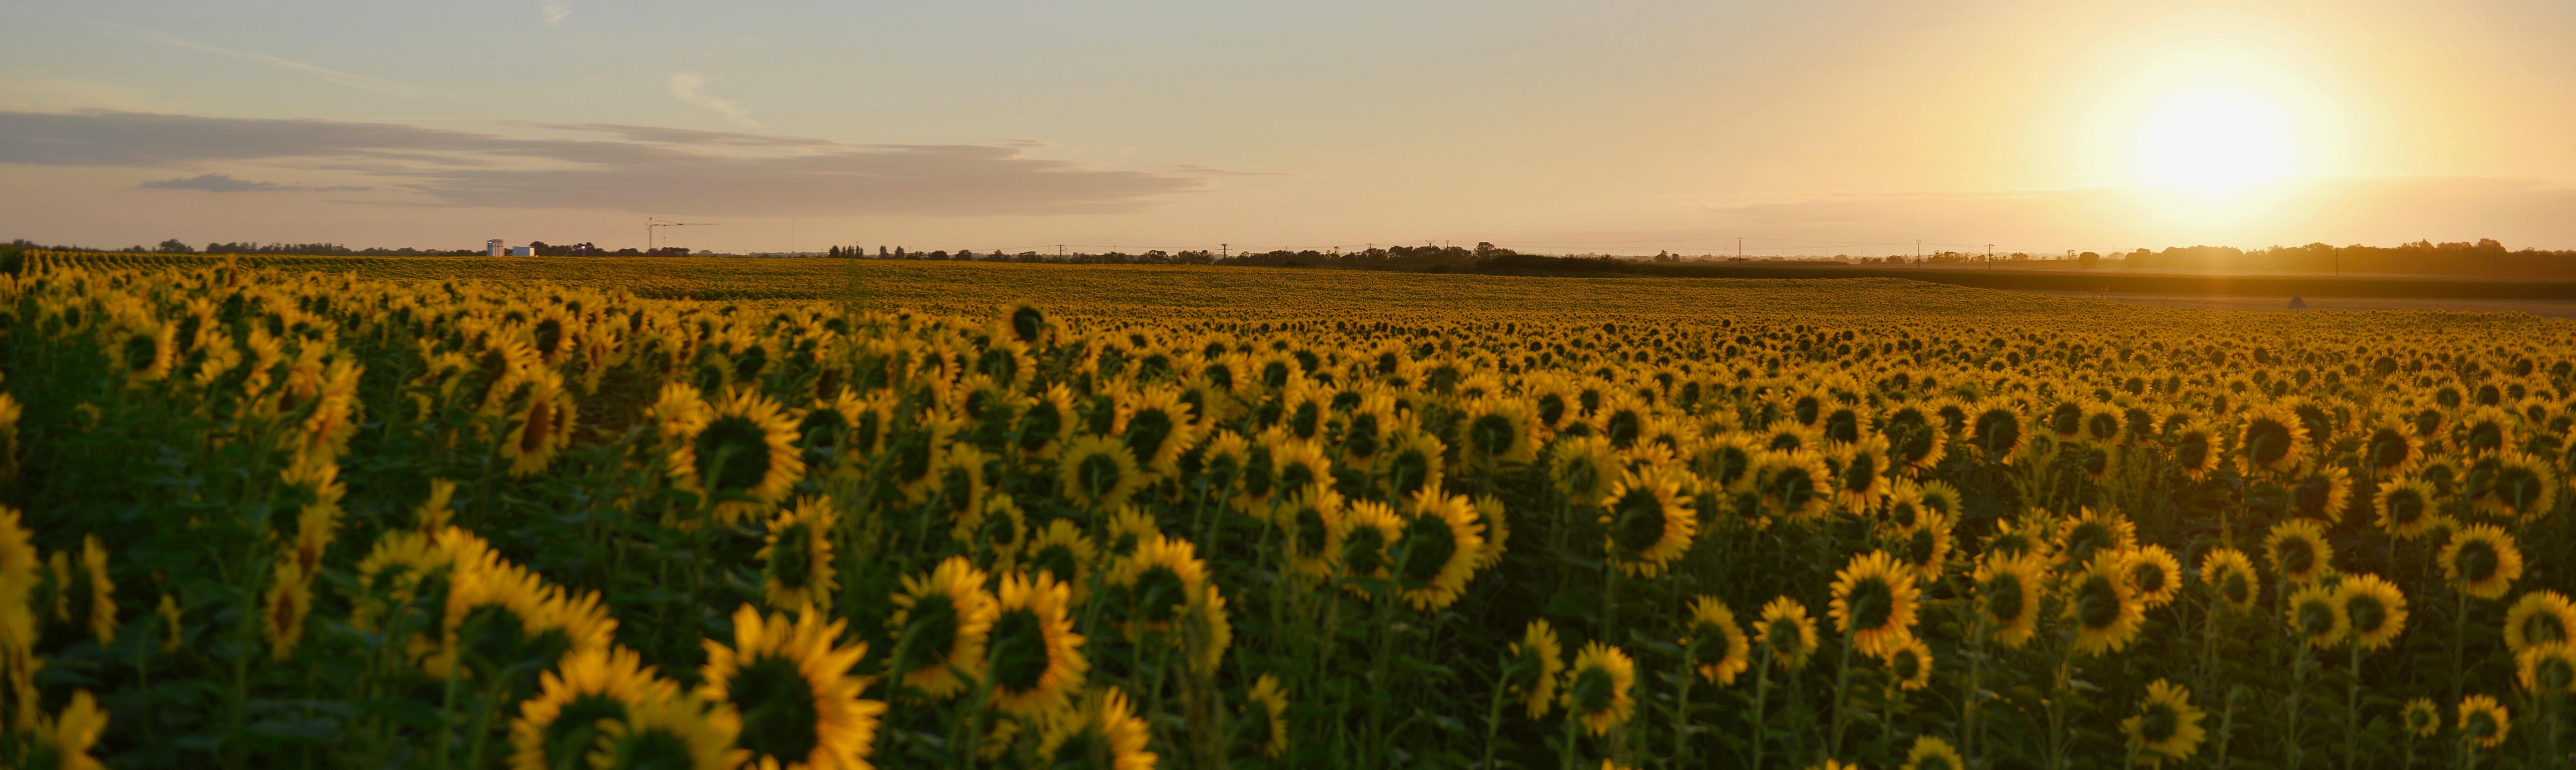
(654, 222)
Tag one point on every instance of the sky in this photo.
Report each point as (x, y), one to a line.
(1824, 127)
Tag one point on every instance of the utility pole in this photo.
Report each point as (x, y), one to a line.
(1990, 257)
(1918, 251)
(1739, 249)
(2338, 262)
(1059, 250)
(1224, 250)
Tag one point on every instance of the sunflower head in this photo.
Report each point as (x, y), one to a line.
(1438, 552)
(1715, 645)
(2539, 617)
(1036, 660)
(2421, 720)
(1932, 753)
(2373, 609)
(788, 682)
(1535, 664)
(1786, 634)
(2482, 560)
(2483, 722)
(1874, 603)
(942, 624)
(1650, 521)
(2298, 550)
(2230, 575)
(2102, 605)
(2315, 618)
(1909, 664)
(2167, 727)
(2548, 667)
(2008, 593)
(1598, 687)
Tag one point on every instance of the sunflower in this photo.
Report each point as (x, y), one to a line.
(1098, 473)
(1786, 633)
(682, 732)
(1129, 527)
(2009, 590)
(1537, 662)
(796, 556)
(1909, 664)
(2482, 560)
(1103, 731)
(498, 613)
(2103, 606)
(2539, 617)
(943, 622)
(1715, 645)
(2486, 430)
(1931, 753)
(2090, 532)
(289, 600)
(2375, 609)
(2314, 617)
(2153, 573)
(1498, 429)
(791, 684)
(1583, 469)
(1726, 461)
(1939, 497)
(558, 726)
(1370, 529)
(1364, 428)
(1498, 530)
(1411, 463)
(2167, 727)
(1037, 661)
(1046, 422)
(1061, 551)
(1441, 545)
(1795, 485)
(1874, 603)
(101, 596)
(2548, 667)
(66, 739)
(1301, 463)
(1916, 436)
(994, 532)
(2521, 486)
(2230, 573)
(742, 459)
(2321, 493)
(2271, 438)
(540, 415)
(1162, 580)
(1598, 687)
(1267, 695)
(1860, 474)
(2483, 721)
(2390, 448)
(2421, 719)
(1311, 523)
(2194, 448)
(1207, 631)
(2298, 550)
(1994, 431)
(1650, 522)
(2405, 507)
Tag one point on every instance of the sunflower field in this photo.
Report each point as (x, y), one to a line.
(262, 516)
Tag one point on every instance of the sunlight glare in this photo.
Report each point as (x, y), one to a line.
(2215, 136)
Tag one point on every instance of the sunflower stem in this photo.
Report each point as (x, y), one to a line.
(1494, 713)
(2352, 712)
(1761, 698)
(1842, 682)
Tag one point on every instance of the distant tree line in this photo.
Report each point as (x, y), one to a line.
(2485, 258)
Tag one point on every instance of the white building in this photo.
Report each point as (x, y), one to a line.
(493, 248)
(522, 251)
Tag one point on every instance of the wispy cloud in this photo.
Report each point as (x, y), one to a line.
(641, 170)
(315, 71)
(225, 183)
(690, 87)
(556, 11)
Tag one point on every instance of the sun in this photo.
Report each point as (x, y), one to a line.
(2214, 135)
